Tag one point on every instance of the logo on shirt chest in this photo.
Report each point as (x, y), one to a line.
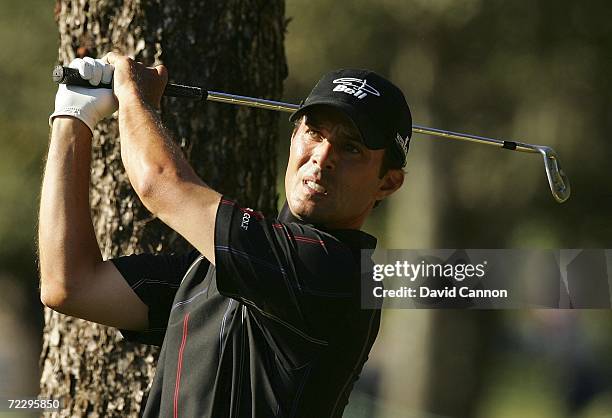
(246, 218)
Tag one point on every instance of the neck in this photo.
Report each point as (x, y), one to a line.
(356, 223)
(345, 224)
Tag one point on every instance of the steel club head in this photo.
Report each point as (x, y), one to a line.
(558, 181)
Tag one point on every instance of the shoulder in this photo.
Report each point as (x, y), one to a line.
(315, 260)
(326, 262)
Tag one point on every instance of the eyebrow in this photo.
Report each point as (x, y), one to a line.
(312, 121)
(351, 133)
(353, 140)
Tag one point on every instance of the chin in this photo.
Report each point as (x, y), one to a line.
(306, 210)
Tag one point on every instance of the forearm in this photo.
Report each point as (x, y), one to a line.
(159, 173)
(151, 159)
(67, 244)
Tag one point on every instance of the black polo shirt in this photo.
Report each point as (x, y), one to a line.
(275, 329)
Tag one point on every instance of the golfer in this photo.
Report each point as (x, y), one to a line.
(263, 317)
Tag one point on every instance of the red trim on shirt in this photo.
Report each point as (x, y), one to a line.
(180, 365)
(256, 214)
(309, 240)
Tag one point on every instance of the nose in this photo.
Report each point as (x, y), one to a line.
(324, 155)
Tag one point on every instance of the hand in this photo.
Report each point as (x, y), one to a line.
(88, 105)
(133, 80)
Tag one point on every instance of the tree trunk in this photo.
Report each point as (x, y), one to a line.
(234, 46)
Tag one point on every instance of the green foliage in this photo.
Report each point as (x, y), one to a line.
(537, 72)
(27, 55)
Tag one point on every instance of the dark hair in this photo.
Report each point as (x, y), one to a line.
(298, 122)
(390, 162)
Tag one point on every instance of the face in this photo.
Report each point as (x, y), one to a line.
(332, 179)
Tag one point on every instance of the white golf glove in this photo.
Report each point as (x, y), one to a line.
(88, 105)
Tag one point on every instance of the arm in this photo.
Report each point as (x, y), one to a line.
(161, 176)
(74, 279)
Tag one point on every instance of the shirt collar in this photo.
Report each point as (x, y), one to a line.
(354, 238)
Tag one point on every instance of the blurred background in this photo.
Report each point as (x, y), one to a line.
(537, 72)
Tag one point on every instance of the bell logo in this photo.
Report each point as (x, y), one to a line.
(355, 87)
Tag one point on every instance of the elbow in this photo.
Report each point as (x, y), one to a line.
(53, 297)
(55, 290)
(145, 183)
(154, 186)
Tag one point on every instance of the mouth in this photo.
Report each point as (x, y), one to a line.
(313, 187)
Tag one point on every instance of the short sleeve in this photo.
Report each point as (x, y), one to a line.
(285, 270)
(155, 279)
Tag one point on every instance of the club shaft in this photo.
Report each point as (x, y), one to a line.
(558, 181)
(71, 76)
(511, 145)
(215, 96)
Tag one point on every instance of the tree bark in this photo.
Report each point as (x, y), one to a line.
(234, 46)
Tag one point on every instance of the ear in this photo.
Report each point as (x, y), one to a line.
(392, 181)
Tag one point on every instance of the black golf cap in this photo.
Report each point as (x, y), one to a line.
(376, 106)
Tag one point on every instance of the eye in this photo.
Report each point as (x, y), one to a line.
(313, 134)
(352, 148)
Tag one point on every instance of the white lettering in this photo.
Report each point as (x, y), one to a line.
(355, 86)
(426, 292)
(245, 221)
(482, 293)
(377, 274)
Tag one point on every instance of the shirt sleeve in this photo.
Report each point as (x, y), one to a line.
(155, 279)
(288, 271)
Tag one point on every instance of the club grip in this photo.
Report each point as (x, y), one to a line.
(70, 76)
(188, 92)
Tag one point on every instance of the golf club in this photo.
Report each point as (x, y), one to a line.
(557, 180)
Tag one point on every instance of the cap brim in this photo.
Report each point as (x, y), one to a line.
(350, 112)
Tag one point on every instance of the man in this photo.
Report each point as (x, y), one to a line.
(263, 317)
